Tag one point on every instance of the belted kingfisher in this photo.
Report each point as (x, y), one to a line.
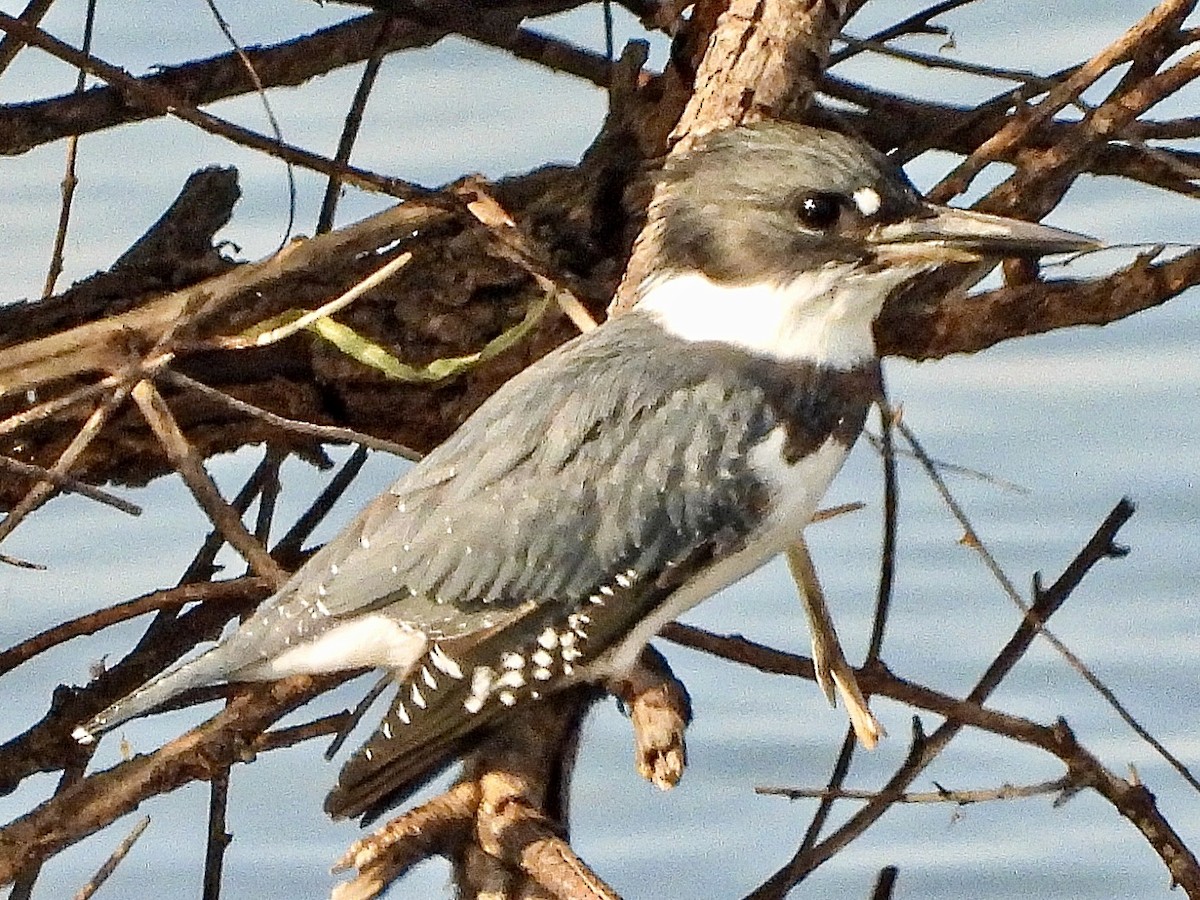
(630, 473)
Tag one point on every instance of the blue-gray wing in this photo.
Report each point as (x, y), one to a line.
(609, 455)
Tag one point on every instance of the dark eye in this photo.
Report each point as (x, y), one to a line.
(821, 210)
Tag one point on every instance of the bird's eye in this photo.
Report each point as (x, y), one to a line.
(821, 210)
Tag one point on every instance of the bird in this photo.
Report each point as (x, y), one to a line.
(630, 473)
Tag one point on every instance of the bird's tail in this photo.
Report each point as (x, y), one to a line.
(209, 668)
(413, 744)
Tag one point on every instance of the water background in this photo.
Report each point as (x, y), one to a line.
(1079, 418)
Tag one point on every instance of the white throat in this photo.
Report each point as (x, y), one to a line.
(823, 316)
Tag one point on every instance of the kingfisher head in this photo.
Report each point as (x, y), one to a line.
(787, 240)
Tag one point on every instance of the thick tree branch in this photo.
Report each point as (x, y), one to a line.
(200, 82)
(967, 324)
(101, 798)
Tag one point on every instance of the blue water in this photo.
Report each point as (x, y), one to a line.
(1077, 418)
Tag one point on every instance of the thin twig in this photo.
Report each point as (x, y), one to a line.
(44, 489)
(350, 128)
(974, 542)
(941, 795)
(259, 89)
(119, 853)
(218, 837)
(167, 103)
(516, 246)
(69, 180)
(891, 510)
(201, 568)
(575, 311)
(287, 63)
(237, 590)
(1028, 119)
(265, 514)
(372, 281)
(291, 543)
(52, 407)
(1029, 79)
(885, 884)
(887, 566)
(70, 485)
(360, 709)
(11, 46)
(158, 415)
(917, 23)
(71, 776)
(944, 466)
(17, 563)
(279, 738)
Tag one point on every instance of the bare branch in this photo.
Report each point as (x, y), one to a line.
(200, 82)
(957, 324)
(1164, 17)
(239, 590)
(163, 102)
(188, 464)
(105, 796)
(941, 795)
(110, 865)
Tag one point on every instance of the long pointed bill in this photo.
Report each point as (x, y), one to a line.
(946, 234)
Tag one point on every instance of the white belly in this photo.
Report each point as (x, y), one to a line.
(795, 490)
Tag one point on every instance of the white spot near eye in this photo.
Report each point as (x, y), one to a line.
(867, 200)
